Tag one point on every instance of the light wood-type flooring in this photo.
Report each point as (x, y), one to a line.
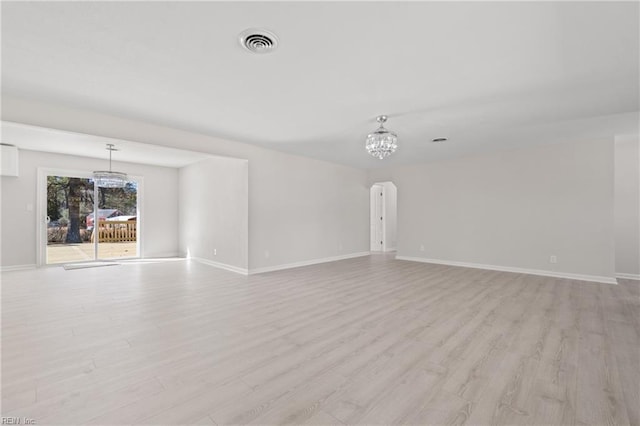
(370, 340)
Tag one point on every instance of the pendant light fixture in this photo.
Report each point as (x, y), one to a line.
(382, 142)
(110, 179)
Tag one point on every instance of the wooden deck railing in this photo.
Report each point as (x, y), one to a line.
(113, 231)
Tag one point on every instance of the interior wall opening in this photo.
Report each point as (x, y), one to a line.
(383, 217)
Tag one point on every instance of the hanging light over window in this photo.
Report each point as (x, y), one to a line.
(110, 179)
(382, 143)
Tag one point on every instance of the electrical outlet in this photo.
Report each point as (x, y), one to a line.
(421, 247)
(266, 254)
(553, 259)
(215, 252)
(339, 246)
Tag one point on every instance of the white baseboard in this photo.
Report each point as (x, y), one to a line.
(167, 254)
(224, 266)
(628, 276)
(556, 274)
(17, 267)
(307, 262)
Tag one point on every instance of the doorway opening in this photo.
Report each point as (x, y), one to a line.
(72, 234)
(383, 216)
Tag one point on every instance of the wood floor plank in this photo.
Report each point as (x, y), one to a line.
(192, 410)
(321, 418)
(626, 348)
(442, 409)
(149, 406)
(599, 397)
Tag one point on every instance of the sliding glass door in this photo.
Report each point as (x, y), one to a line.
(73, 234)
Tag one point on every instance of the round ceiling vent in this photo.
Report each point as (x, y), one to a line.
(258, 41)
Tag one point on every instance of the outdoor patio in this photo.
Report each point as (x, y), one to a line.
(66, 253)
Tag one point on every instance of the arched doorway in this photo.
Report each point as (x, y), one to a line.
(383, 216)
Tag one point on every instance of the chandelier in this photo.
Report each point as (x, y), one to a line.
(382, 142)
(110, 179)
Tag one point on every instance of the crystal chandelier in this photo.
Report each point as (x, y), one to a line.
(110, 179)
(382, 142)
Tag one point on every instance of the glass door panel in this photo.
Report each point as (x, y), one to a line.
(117, 228)
(69, 203)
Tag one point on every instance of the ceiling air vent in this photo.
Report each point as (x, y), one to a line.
(258, 41)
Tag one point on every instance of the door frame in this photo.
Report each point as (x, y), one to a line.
(41, 211)
(384, 225)
(373, 218)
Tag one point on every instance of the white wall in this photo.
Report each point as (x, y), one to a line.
(512, 209)
(300, 209)
(627, 206)
(159, 218)
(213, 210)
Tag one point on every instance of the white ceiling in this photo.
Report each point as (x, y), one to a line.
(488, 75)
